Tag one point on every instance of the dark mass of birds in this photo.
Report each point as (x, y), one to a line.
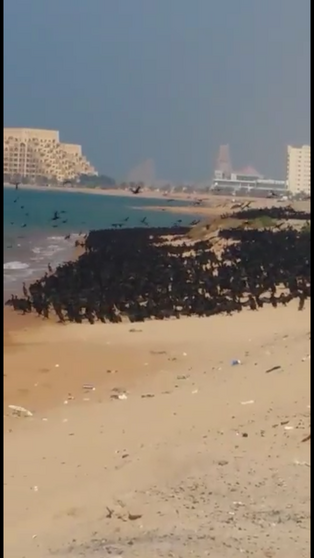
(278, 213)
(139, 274)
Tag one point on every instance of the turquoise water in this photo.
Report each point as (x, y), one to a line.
(32, 239)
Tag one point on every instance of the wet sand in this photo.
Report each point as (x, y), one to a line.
(202, 458)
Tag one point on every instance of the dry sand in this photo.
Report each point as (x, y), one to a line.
(211, 464)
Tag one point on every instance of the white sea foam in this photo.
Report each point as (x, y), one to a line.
(50, 250)
(15, 265)
(31, 259)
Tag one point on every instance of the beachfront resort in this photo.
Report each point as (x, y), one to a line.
(39, 155)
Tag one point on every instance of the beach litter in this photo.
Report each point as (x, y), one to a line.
(235, 362)
(69, 398)
(110, 512)
(134, 516)
(289, 427)
(307, 357)
(250, 402)
(89, 387)
(272, 369)
(305, 463)
(120, 396)
(20, 411)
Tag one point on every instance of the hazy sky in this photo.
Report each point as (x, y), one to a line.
(162, 79)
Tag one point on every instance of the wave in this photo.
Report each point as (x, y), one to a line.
(56, 238)
(44, 252)
(15, 265)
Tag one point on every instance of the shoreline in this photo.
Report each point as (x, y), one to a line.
(213, 204)
(146, 194)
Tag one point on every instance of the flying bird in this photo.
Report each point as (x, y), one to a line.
(136, 190)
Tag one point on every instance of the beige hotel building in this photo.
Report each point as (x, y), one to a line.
(299, 169)
(39, 154)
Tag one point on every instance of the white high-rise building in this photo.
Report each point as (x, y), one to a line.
(299, 169)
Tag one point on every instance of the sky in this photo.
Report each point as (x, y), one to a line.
(168, 80)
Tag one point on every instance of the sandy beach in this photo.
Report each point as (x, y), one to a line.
(199, 458)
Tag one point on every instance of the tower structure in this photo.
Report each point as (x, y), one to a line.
(145, 172)
(299, 169)
(223, 164)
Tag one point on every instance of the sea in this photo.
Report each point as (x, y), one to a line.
(32, 240)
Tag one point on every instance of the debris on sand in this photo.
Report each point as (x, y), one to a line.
(134, 516)
(20, 411)
(272, 369)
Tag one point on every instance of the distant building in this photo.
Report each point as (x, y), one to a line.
(145, 172)
(243, 182)
(38, 155)
(299, 169)
(248, 181)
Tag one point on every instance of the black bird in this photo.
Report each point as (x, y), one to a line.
(136, 190)
(56, 216)
(136, 274)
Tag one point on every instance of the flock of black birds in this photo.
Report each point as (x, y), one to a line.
(158, 273)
